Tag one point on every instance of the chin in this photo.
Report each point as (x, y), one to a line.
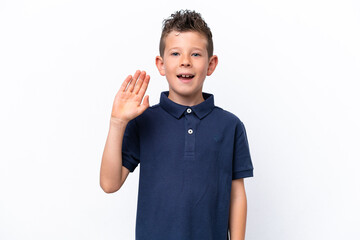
(184, 91)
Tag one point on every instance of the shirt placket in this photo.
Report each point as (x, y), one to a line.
(190, 131)
(191, 122)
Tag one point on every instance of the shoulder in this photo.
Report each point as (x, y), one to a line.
(154, 107)
(150, 111)
(227, 116)
(147, 115)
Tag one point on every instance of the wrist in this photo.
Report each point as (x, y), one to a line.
(117, 122)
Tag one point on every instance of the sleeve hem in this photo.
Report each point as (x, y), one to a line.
(243, 174)
(128, 165)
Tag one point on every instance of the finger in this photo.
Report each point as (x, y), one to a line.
(133, 81)
(144, 86)
(139, 82)
(125, 83)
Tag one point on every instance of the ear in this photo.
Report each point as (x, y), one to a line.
(212, 65)
(160, 65)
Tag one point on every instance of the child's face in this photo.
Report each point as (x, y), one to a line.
(186, 54)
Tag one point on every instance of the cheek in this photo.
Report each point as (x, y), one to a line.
(205, 69)
(169, 66)
(203, 65)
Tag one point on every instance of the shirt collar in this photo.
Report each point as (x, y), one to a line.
(177, 110)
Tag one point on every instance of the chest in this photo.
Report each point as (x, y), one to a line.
(170, 144)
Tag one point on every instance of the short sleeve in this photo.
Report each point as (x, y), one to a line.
(131, 146)
(242, 164)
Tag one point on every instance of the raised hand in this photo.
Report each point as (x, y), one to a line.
(127, 104)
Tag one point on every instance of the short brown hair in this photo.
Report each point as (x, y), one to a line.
(183, 21)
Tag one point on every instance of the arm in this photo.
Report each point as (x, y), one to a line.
(238, 210)
(112, 173)
(127, 105)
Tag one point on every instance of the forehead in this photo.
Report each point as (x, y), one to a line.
(185, 39)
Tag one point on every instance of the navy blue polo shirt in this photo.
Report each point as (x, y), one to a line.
(188, 157)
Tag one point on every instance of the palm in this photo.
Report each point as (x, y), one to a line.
(127, 104)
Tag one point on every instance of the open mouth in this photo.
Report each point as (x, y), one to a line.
(185, 77)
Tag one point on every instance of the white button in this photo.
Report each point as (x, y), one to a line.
(188, 110)
(190, 131)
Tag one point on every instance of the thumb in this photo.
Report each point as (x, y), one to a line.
(145, 103)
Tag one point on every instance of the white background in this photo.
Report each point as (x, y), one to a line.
(288, 69)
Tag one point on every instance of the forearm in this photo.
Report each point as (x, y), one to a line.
(237, 218)
(111, 164)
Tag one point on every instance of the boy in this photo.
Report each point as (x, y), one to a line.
(193, 155)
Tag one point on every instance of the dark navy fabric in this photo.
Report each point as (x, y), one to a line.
(188, 157)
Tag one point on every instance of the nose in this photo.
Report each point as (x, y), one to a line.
(185, 61)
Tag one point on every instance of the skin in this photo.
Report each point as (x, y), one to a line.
(185, 52)
(238, 210)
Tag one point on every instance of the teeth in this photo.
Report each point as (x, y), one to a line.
(185, 76)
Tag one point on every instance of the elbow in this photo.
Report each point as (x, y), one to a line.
(109, 188)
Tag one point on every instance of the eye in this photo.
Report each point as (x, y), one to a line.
(196, 54)
(175, 54)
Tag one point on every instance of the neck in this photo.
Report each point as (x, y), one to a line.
(186, 100)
